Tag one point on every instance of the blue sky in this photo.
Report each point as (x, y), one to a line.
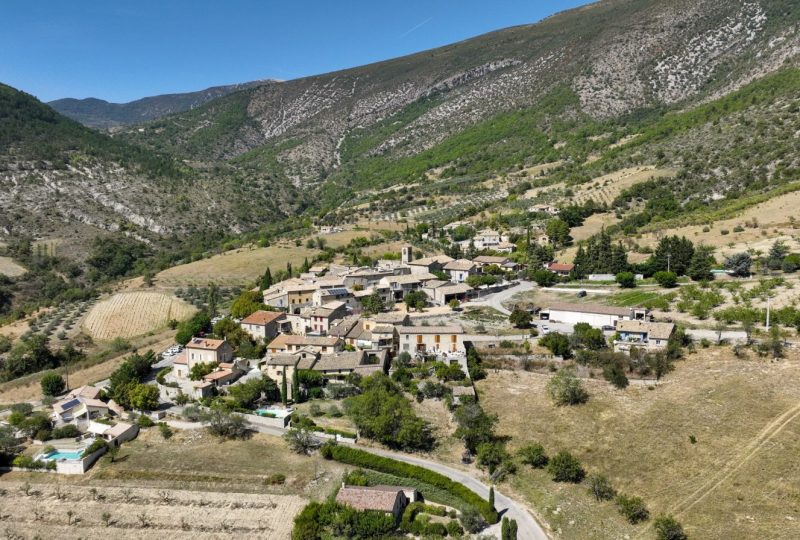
(121, 50)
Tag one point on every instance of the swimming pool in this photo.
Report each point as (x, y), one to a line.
(64, 454)
(274, 413)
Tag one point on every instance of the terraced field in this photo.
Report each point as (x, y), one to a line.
(130, 314)
(605, 189)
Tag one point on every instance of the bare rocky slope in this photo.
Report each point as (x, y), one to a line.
(616, 56)
(490, 104)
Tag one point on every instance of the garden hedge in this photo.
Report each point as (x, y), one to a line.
(360, 458)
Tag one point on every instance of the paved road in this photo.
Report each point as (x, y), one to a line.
(528, 528)
(496, 300)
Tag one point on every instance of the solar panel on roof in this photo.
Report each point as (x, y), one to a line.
(71, 403)
(337, 291)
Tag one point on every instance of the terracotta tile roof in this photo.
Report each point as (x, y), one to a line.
(380, 498)
(427, 261)
(490, 259)
(340, 361)
(460, 264)
(181, 358)
(279, 342)
(205, 344)
(219, 374)
(315, 341)
(263, 318)
(289, 359)
(560, 267)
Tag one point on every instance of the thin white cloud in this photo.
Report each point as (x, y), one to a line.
(417, 27)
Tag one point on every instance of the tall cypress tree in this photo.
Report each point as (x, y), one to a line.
(491, 497)
(284, 390)
(266, 280)
(295, 387)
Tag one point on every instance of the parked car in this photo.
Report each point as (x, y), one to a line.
(581, 294)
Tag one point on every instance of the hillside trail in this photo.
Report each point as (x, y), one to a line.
(769, 431)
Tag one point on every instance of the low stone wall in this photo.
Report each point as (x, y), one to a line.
(267, 421)
(79, 466)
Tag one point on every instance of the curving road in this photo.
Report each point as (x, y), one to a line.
(528, 527)
(496, 300)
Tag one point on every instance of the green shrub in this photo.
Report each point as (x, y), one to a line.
(600, 488)
(52, 384)
(564, 467)
(165, 430)
(566, 389)
(454, 529)
(145, 421)
(632, 508)
(68, 431)
(533, 455)
(360, 458)
(668, 528)
(275, 479)
(26, 462)
(439, 529)
(96, 445)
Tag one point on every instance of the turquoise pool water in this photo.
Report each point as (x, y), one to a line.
(273, 413)
(63, 454)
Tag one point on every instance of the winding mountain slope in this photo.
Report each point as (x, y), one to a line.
(98, 113)
(615, 57)
(562, 90)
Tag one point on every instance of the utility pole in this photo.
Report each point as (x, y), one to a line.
(768, 305)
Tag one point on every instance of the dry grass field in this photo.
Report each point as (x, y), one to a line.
(739, 480)
(9, 268)
(773, 219)
(238, 267)
(190, 486)
(28, 388)
(130, 314)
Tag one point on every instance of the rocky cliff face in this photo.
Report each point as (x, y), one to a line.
(617, 56)
(264, 151)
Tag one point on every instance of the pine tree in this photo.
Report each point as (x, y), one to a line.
(284, 390)
(619, 260)
(700, 264)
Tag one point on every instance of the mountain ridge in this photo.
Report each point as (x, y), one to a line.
(102, 114)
